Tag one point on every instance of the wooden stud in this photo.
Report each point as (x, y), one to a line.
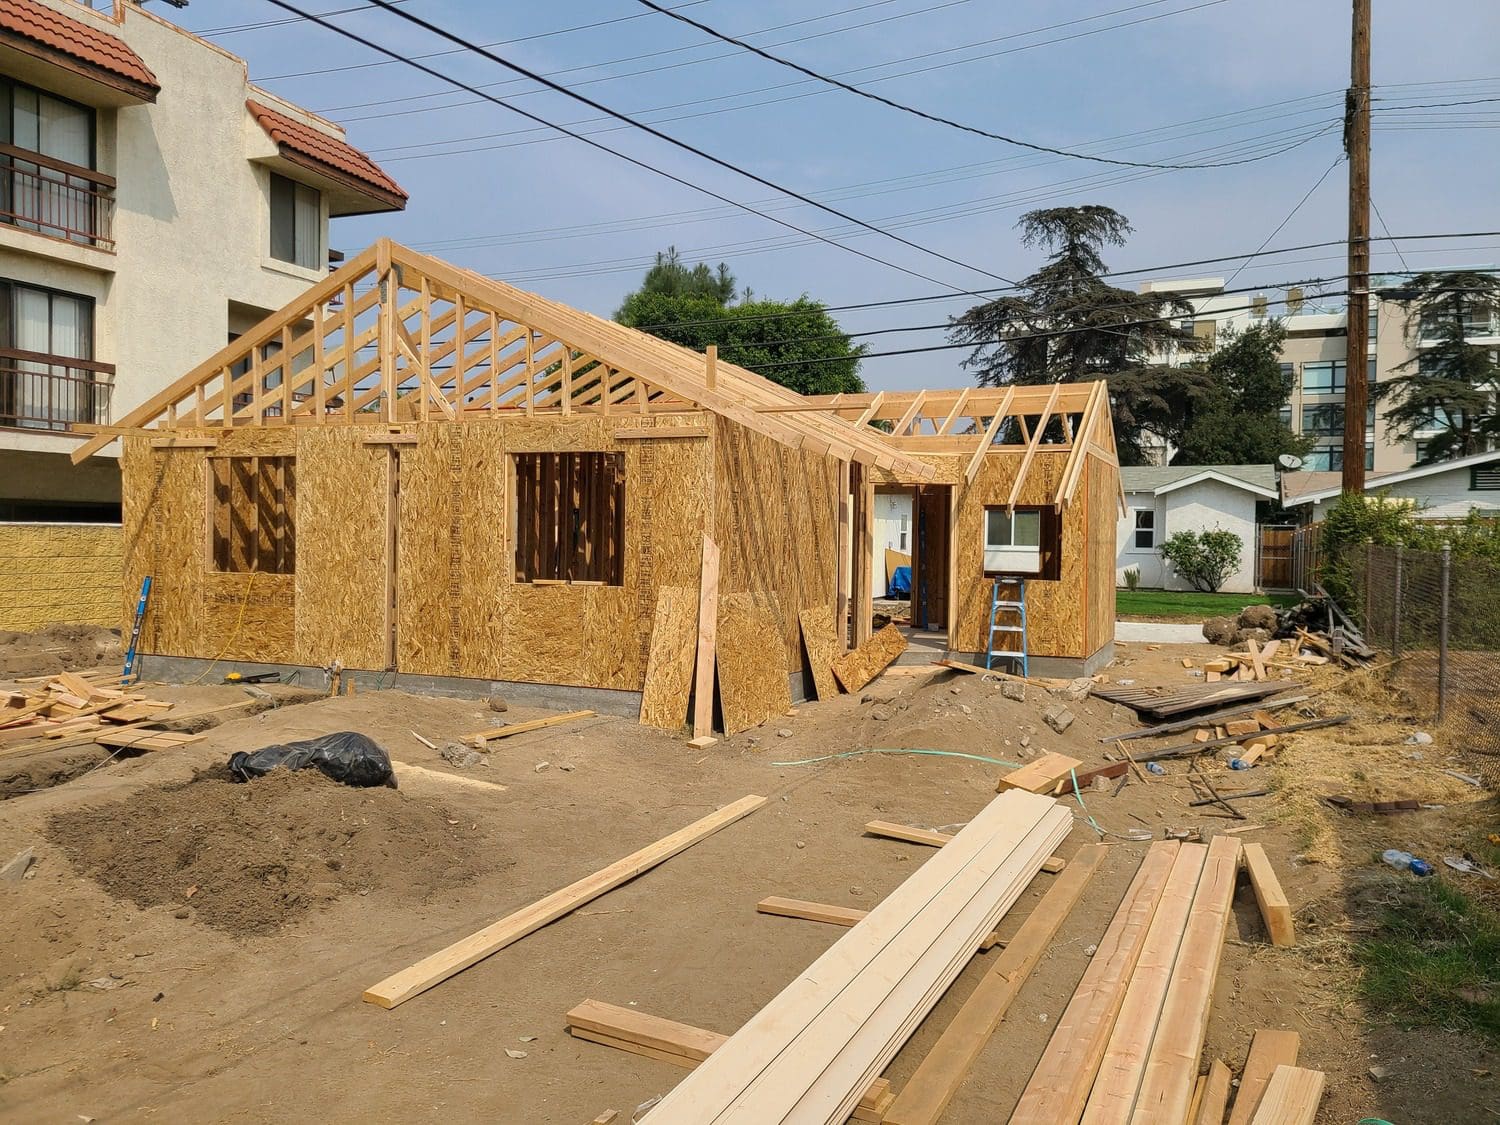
(1269, 1049)
(494, 734)
(1039, 775)
(708, 626)
(1291, 1097)
(1001, 413)
(1214, 1098)
(1272, 900)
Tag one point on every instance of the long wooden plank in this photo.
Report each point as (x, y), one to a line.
(1167, 1084)
(1269, 1049)
(1112, 1099)
(708, 631)
(1214, 1099)
(845, 916)
(934, 839)
(813, 1049)
(1275, 910)
(925, 1097)
(1291, 1098)
(1039, 775)
(438, 967)
(1059, 1086)
(494, 734)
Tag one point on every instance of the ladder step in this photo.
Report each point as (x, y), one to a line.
(1012, 655)
(1010, 605)
(1006, 629)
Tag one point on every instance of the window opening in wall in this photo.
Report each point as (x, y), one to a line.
(570, 518)
(1025, 542)
(253, 514)
(1145, 529)
(296, 214)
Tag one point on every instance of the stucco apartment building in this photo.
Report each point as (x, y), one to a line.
(1316, 355)
(153, 205)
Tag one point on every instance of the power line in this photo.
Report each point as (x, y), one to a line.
(1394, 244)
(702, 154)
(948, 121)
(235, 29)
(1326, 172)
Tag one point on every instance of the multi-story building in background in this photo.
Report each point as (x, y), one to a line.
(153, 205)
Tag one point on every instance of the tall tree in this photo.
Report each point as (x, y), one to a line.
(1235, 418)
(1067, 324)
(1449, 390)
(795, 343)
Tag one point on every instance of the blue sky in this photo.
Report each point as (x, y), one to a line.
(1177, 81)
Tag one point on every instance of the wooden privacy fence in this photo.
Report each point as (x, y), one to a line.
(1273, 556)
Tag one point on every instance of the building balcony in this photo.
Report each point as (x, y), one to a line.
(56, 199)
(42, 392)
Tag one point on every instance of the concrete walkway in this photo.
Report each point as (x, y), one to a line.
(1159, 632)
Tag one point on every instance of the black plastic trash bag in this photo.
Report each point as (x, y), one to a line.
(346, 756)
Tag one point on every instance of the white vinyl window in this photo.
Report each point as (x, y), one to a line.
(296, 223)
(1012, 541)
(1145, 529)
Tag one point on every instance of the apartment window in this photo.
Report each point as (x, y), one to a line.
(48, 377)
(570, 518)
(1285, 413)
(1441, 421)
(46, 162)
(1145, 529)
(296, 223)
(1484, 478)
(1330, 458)
(253, 514)
(1326, 419)
(1372, 325)
(1323, 377)
(1025, 542)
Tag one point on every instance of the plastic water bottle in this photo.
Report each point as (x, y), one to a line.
(1239, 764)
(1405, 861)
(1155, 769)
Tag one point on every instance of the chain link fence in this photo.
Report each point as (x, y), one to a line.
(1438, 618)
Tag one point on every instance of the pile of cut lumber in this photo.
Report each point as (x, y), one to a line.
(71, 704)
(813, 1052)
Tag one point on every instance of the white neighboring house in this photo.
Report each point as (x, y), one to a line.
(894, 531)
(1164, 500)
(1444, 491)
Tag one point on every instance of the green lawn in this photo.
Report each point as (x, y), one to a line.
(1188, 605)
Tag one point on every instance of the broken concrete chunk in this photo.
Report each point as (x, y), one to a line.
(16, 869)
(1059, 718)
(1013, 689)
(497, 703)
(1078, 690)
(456, 754)
(880, 714)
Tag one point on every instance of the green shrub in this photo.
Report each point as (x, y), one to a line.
(1204, 558)
(1132, 578)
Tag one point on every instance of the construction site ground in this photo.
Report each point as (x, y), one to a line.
(191, 949)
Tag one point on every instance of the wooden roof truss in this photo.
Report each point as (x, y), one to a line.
(1018, 420)
(397, 336)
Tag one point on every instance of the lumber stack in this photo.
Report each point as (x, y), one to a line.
(814, 1050)
(70, 704)
(1126, 1048)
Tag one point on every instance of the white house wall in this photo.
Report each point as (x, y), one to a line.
(894, 526)
(1205, 506)
(1146, 560)
(1439, 496)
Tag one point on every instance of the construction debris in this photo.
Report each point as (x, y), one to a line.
(70, 704)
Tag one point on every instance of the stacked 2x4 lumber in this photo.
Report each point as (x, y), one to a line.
(439, 966)
(934, 839)
(811, 1053)
(1269, 1049)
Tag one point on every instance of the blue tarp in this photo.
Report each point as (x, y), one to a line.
(900, 582)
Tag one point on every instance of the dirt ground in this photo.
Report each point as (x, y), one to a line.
(188, 949)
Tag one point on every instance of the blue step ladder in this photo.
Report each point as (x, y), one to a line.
(1016, 611)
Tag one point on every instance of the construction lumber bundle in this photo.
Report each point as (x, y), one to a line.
(813, 1051)
(71, 705)
(1126, 1047)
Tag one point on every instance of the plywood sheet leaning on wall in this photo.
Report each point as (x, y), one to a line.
(426, 536)
(669, 669)
(753, 684)
(822, 645)
(342, 534)
(857, 668)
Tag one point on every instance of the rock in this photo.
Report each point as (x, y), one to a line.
(1013, 689)
(513, 1053)
(966, 709)
(1258, 617)
(497, 703)
(784, 732)
(953, 690)
(1078, 690)
(801, 844)
(1419, 738)
(1059, 718)
(460, 756)
(542, 766)
(1025, 741)
(15, 870)
(567, 767)
(856, 892)
(183, 913)
(1381, 1073)
(1259, 636)
(880, 714)
(1220, 630)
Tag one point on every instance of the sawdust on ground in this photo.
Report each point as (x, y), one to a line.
(247, 858)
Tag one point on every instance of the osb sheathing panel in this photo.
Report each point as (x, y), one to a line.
(776, 513)
(163, 516)
(753, 684)
(669, 669)
(342, 491)
(1054, 610)
(460, 610)
(248, 617)
(1101, 495)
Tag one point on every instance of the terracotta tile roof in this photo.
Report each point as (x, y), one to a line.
(331, 155)
(51, 29)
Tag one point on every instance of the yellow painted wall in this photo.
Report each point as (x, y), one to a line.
(52, 572)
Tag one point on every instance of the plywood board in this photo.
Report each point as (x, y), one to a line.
(753, 684)
(707, 641)
(822, 645)
(857, 668)
(1040, 775)
(669, 669)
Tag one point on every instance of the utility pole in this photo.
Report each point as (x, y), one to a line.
(1357, 148)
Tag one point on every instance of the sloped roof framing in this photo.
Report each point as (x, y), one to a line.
(396, 336)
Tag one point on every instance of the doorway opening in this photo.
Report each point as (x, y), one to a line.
(909, 564)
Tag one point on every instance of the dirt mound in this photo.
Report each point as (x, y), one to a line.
(262, 853)
(58, 648)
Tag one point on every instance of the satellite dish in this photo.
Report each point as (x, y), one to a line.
(1288, 462)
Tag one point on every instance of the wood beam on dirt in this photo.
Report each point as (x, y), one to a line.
(1291, 1097)
(1269, 1049)
(1275, 910)
(1040, 775)
(438, 967)
(845, 916)
(1190, 748)
(936, 839)
(482, 738)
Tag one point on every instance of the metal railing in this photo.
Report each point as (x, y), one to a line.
(41, 392)
(55, 198)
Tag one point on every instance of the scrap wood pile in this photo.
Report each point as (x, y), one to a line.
(90, 706)
(1315, 631)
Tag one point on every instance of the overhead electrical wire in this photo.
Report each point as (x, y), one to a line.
(939, 119)
(235, 29)
(434, 29)
(1337, 160)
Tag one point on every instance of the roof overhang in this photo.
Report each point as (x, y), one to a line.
(49, 68)
(1209, 475)
(352, 183)
(1385, 480)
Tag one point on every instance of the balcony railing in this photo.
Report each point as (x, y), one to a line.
(45, 392)
(56, 198)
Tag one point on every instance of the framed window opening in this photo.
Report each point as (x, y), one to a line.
(570, 518)
(296, 223)
(1145, 529)
(1026, 543)
(253, 514)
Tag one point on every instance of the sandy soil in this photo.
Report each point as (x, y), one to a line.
(122, 998)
